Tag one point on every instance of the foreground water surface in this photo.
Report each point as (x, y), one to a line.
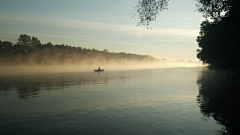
(156, 101)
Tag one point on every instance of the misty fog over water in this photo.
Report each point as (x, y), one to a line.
(30, 70)
(147, 101)
(95, 73)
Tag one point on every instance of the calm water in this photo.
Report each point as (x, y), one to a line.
(159, 101)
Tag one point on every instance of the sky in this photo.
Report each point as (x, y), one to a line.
(104, 24)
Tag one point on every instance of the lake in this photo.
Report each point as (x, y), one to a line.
(148, 102)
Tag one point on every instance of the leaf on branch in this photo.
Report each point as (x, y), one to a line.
(149, 9)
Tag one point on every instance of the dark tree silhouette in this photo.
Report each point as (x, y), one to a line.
(30, 51)
(218, 40)
(218, 8)
(147, 10)
(5, 46)
(35, 43)
(24, 40)
(219, 43)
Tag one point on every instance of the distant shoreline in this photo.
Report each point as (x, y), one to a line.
(30, 51)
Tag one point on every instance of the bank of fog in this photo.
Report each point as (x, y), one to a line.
(86, 66)
(30, 56)
(62, 59)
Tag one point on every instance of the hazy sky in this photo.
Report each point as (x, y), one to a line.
(104, 24)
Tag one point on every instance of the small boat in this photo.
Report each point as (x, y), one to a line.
(97, 70)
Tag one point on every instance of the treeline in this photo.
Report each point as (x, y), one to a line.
(30, 51)
(219, 44)
(219, 40)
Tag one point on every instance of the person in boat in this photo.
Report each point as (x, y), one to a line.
(99, 68)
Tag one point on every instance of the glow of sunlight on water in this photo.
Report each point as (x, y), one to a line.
(152, 101)
(24, 70)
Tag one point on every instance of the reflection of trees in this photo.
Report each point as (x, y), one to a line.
(219, 98)
(30, 86)
(26, 90)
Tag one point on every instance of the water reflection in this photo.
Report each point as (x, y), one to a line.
(161, 101)
(29, 86)
(219, 98)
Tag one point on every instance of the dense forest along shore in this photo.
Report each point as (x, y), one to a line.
(30, 51)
